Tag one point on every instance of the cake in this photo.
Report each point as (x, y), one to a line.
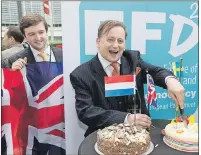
(123, 139)
(181, 138)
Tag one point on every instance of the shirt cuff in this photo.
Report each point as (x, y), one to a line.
(126, 119)
(168, 78)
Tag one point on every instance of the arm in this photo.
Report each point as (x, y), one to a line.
(87, 112)
(159, 74)
(7, 63)
(4, 63)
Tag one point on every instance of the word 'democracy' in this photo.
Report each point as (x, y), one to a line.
(163, 95)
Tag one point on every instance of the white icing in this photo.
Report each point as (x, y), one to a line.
(189, 134)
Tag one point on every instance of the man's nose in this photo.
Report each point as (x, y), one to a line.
(38, 36)
(115, 44)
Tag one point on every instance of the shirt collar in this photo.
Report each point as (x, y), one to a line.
(35, 52)
(105, 63)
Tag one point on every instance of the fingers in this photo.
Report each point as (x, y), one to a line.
(180, 99)
(25, 59)
(173, 97)
(143, 120)
(176, 91)
(19, 64)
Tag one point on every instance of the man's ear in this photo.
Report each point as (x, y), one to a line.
(12, 39)
(97, 42)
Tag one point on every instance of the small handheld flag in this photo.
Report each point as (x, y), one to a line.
(177, 70)
(151, 92)
(119, 85)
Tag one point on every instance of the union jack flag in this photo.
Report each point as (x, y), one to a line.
(151, 92)
(33, 110)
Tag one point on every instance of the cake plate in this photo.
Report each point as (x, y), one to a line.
(151, 148)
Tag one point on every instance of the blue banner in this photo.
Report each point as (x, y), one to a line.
(163, 31)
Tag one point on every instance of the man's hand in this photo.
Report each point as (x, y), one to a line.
(140, 120)
(19, 64)
(176, 91)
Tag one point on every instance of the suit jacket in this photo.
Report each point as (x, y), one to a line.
(93, 108)
(30, 57)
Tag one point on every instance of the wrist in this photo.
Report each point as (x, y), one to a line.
(169, 77)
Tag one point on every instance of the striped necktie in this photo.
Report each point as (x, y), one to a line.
(116, 69)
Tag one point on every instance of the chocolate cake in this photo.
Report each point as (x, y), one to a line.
(123, 139)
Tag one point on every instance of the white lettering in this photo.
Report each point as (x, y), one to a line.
(139, 32)
(190, 42)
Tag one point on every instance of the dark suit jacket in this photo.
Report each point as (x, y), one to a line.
(30, 57)
(93, 108)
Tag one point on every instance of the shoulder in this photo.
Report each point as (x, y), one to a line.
(20, 54)
(7, 53)
(56, 49)
(83, 69)
(131, 53)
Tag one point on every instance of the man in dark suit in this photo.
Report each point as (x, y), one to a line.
(34, 28)
(92, 107)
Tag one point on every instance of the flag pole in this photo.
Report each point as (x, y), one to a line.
(134, 97)
(174, 68)
(149, 129)
(147, 92)
(180, 69)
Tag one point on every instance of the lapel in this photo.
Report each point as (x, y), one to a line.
(125, 67)
(99, 74)
(30, 56)
(57, 54)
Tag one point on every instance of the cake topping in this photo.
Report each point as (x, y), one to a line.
(191, 119)
(124, 132)
(180, 131)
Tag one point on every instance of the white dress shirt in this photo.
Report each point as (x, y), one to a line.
(107, 65)
(48, 53)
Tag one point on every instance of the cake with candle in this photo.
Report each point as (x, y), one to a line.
(180, 137)
(123, 138)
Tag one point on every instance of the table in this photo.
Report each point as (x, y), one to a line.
(87, 145)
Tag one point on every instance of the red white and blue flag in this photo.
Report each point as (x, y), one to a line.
(151, 91)
(120, 85)
(33, 110)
